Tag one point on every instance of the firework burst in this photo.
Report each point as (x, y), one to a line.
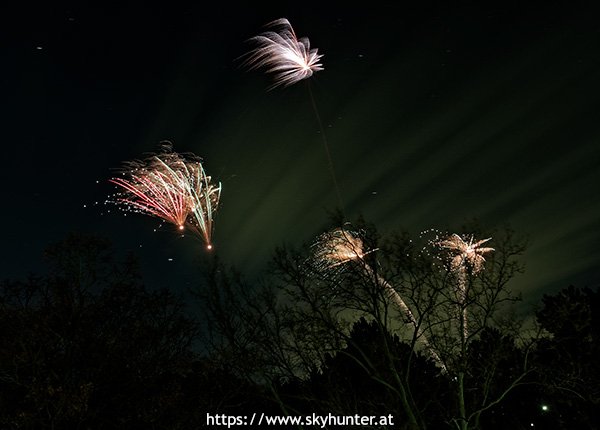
(337, 247)
(205, 197)
(290, 59)
(466, 254)
(340, 246)
(286, 56)
(171, 187)
(153, 194)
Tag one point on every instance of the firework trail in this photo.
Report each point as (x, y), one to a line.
(466, 255)
(290, 59)
(205, 198)
(172, 187)
(340, 246)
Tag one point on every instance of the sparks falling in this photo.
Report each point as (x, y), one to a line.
(286, 56)
(171, 187)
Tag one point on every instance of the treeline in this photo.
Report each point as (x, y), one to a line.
(390, 327)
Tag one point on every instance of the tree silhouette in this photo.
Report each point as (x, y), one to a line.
(568, 358)
(353, 380)
(88, 346)
(305, 327)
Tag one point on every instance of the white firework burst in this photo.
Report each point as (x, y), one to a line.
(286, 56)
(468, 253)
(465, 254)
(337, 247)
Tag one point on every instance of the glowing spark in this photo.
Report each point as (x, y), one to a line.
(171, 187)
(288, 57)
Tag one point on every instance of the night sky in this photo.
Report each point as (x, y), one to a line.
(435, 115)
